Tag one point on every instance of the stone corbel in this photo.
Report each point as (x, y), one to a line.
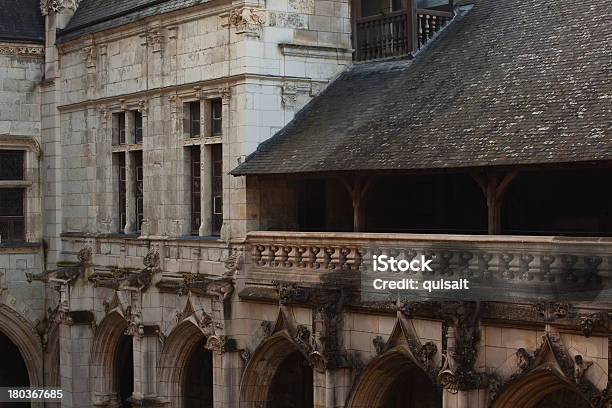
(289, 96)
(247, 20)
(221, 344)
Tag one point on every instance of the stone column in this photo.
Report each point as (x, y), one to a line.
(130, 196)
(205, 190)
(146, 352)
(319, 382)
(227, 371)
(337, 387)
(148, 202)
(75, 344)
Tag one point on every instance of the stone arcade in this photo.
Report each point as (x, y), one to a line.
(187, 188)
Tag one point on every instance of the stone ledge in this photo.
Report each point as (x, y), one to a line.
(315, 51)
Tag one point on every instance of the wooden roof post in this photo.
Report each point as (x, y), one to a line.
(494, 191)
(411, 25)
(358, 190)
(357, 207)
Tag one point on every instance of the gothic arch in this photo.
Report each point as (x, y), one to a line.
(103, 352)
(21, 332)
(379, 377)
(262, 367)
(174, 359)
(529, 390)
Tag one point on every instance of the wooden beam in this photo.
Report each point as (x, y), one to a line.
(357, 210)
(411, 25)
(494, 191)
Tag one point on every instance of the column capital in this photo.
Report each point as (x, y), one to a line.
(56, 6)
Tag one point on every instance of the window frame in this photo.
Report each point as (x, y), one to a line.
(216, 121)
(16, 184)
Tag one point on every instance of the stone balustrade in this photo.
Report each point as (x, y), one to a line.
(538, 263)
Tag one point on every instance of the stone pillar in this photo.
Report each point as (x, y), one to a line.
(227, 371)
(146, 352)
(337, 387)
(319, 387)
(205, 190)
(148, 201)
(450, 400)
(130, 196)
(75, 345)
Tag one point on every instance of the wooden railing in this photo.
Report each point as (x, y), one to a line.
(429, 22)
(383, 36)
(396, 33)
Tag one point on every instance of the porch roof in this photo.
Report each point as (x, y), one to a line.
(512, 83)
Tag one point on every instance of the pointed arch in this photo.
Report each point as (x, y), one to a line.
(262, 367)
(23, 335)
(103, 356)
(529, 390)
(175, 357)
(373, 386)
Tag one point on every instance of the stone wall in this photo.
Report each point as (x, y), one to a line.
(22, 304)
(265, 62)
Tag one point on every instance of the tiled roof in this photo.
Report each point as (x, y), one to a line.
(512, 83)
(97, 15)
(21, 21)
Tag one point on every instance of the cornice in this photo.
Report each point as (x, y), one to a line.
(182, 91)
(142, 27)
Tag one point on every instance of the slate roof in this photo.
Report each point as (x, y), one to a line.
(21, 21)
(511, 83)
(97, 15)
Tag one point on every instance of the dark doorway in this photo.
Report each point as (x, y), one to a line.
(563, 399)
(198, 378)
(13, 371)
(125, 370)
(412, 389)
(291, 386)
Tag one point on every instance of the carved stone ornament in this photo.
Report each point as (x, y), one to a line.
(587, 323)
(290, 293)
(89, 55)
(247, 21)
(573, 369)
(154, 38)
(289, 97)
(580, 368)
(245, 355)
(55, 6)
(524, 360)
(379, 345)
(220, 344)
(233, 263)
(85, 256)
(17, 50)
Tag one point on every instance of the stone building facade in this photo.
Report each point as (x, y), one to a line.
(144, 263)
